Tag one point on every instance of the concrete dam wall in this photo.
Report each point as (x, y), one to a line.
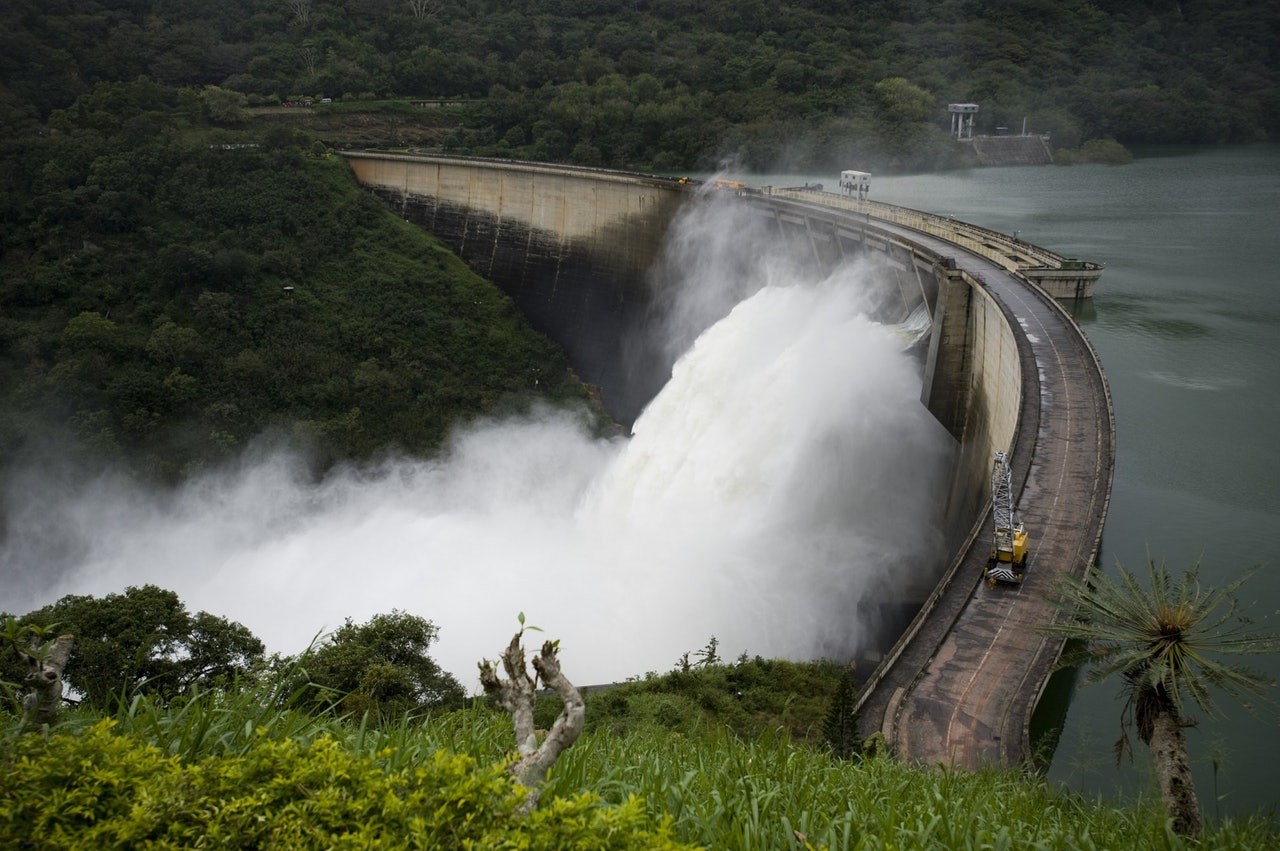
(1011, 150)
(575, 248)
(572, 247)
(1005, 368)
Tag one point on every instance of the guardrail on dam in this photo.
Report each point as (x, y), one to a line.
(1006, 369)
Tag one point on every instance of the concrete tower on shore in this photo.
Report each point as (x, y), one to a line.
(962, 119)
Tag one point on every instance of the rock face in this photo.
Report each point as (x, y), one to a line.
(1012, 150)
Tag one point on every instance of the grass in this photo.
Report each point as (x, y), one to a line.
(722, 790)
(729, 793)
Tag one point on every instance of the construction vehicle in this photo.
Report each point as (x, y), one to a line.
(1008, 559)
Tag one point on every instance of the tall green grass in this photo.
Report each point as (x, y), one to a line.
(722, 791)
(728, 793)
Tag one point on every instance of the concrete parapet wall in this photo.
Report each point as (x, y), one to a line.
(1060, 277)
(995, 246)
(975, 389)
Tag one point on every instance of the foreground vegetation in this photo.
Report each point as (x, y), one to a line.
(363, 741)
(238, 767)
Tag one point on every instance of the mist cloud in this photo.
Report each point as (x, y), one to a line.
(785, 473)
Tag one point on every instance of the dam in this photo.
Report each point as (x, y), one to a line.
(1006, 369)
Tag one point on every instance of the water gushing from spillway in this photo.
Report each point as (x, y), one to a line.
(786, 473)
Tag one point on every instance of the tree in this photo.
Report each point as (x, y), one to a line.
(382, 667)
(1163, 641)
(840, 728)
(223, 106)
(903, 102)
(424, 8)
(517, 695)
(145, 641)
(301, 10)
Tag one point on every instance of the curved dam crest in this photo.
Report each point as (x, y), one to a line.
(1006, 369)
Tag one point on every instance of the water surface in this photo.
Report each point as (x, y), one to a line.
(1186, 321)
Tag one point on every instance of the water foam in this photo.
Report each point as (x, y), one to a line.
(785, 473)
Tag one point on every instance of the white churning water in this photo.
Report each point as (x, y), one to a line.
(786, 472)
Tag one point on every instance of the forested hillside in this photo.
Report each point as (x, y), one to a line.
(167, 295)
(675, 84)
(185, 267)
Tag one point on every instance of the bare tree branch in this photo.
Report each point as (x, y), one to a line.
(45, 664)
(516, 695)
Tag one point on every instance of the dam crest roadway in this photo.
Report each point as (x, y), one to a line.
(1007, 369)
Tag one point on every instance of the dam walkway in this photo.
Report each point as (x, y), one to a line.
(960, 687)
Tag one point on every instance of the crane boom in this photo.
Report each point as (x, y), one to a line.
(1008, 559)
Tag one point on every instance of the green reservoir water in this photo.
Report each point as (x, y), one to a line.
(1186, 320)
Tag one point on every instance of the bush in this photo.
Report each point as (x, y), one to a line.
(99, 789)
(381, 667)
(747, 696)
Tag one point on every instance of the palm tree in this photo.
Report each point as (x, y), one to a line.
(1163, 641)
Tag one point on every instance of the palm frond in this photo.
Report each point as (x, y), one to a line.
(1166, 638)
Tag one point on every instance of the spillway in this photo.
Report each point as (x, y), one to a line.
(785, 473)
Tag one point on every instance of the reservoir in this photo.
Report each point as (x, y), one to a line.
(1186, 320)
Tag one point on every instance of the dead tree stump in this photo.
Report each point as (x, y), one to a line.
(44, 675)
(517, 693)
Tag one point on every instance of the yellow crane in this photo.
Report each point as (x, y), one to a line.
(1008, 559)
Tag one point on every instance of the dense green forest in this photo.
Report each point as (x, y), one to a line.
(672, 84)
(184, 267)
(167, 296)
